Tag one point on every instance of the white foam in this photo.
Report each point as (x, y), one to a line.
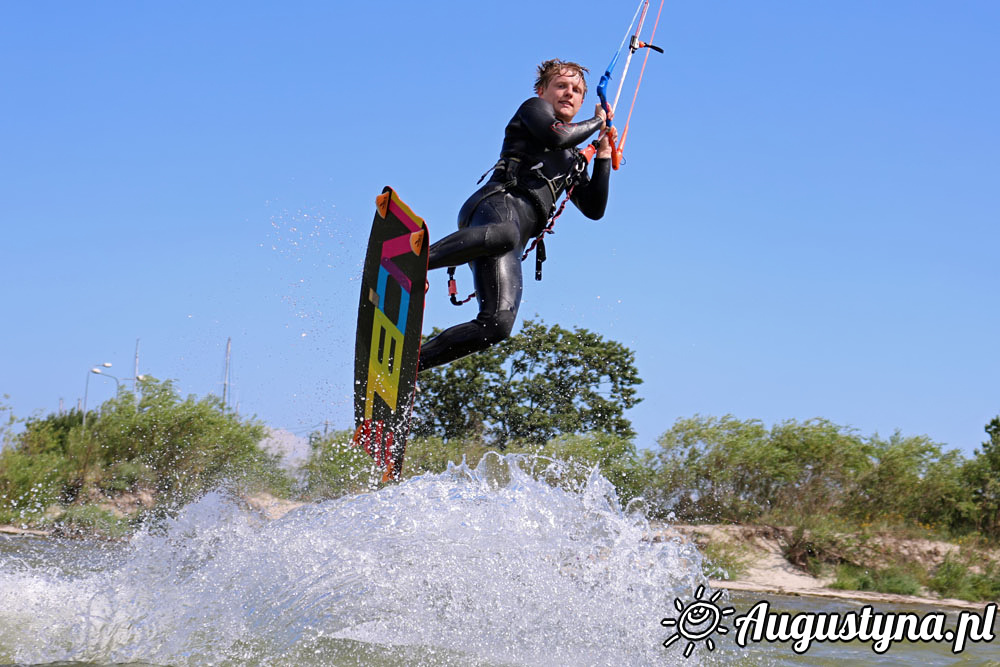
(509, 562)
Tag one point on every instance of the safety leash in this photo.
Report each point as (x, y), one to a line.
(453, 289)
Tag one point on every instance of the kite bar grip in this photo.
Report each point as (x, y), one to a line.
(607, 107)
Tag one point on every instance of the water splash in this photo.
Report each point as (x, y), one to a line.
(510, 562)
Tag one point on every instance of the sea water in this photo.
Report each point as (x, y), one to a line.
(516, 561)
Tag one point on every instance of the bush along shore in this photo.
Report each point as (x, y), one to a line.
(135, 458)
(897, 515)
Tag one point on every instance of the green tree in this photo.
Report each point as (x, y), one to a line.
(29, 483)
(5, 422)
(38, 468)
(711, 469)
(910, 480)
(726, 469)
(187, 446)
(451, 400)
(822, 462)
(159, 442)
(542, 382)
(982, 475)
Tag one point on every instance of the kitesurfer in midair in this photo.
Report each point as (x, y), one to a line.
(538, 162)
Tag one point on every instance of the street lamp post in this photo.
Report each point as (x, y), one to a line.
(86, 388)
(98, 371)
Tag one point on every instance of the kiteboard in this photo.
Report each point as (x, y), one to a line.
(390, 317)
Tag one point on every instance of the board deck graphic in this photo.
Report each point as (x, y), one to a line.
(390, 317)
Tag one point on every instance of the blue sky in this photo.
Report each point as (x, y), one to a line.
(806, 225)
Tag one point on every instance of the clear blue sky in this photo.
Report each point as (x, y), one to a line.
(807, 224)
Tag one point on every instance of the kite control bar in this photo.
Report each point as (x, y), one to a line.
(634, 44)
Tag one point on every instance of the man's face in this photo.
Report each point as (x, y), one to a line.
(565, 94)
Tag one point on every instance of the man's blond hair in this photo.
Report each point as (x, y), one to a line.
(550, 69)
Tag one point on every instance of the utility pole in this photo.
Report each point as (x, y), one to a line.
(225, 378)
(135, 375)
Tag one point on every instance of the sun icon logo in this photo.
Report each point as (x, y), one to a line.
(697, 621)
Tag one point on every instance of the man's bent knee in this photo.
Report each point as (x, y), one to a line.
(497, 328)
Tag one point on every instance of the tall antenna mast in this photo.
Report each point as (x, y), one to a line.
(225, 378)
(135, 375)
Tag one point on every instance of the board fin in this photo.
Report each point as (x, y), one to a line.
(382, 204)
(417, 241)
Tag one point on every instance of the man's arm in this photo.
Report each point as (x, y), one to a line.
(540, 119)
(591, 194)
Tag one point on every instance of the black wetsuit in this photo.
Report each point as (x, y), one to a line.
(538, 162)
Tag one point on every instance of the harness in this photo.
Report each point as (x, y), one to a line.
(511, 165)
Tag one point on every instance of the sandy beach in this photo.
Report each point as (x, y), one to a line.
(768, 571)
